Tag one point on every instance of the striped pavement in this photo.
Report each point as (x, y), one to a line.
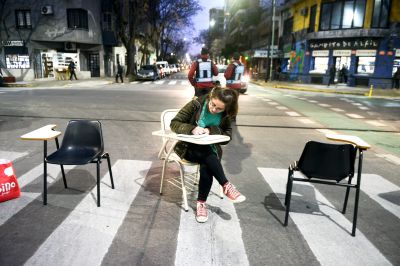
(74, 231)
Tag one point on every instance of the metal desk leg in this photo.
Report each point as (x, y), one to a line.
(44, 173)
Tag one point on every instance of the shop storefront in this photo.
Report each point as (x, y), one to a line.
(16, 58)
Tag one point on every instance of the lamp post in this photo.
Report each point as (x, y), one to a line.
(272, 39)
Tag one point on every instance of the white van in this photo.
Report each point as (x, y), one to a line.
(165, 66)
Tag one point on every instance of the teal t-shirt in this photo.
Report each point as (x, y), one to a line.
(208, 119)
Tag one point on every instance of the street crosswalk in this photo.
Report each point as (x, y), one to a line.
(84, 233)
(173, 82)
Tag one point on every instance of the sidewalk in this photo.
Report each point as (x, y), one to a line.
(336, 88)
(50, 82)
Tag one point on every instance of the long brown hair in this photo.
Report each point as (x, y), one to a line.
(229, 97)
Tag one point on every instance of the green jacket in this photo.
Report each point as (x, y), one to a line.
(186, 120)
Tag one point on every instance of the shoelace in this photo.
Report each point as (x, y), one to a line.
(231, 191)
(201, 209)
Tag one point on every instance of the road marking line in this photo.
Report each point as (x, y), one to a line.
(266, 100)
(293, 114)
(376, 123)
(326, 131)
(324, 105)
(172, 82)
(216, 242)
(185, 82)
(147, 82)
(389, 157)
(159, 82)
(273, 103)
(376, 187)
(337, 109)
(355, 116)
(11, 207)
(11, 155)
(313, 101)
(326, 230)
(87, 233)
(134, 82)
(306, 121)
(281, 107)
(356, 104)
(363, 108)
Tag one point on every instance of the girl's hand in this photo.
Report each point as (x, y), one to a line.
(200, 131)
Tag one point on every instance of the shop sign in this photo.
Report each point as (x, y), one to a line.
(366, 53)
(341, 52)
(364, 43)
(12, 43)
(266, 53)
(15, 61)
(397, 52)
(320, 53)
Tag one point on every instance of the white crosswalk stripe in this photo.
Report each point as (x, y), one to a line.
(11, 155)
(92, 228)
(325, 229)
(217, 242)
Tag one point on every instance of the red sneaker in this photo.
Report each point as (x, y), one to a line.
(201, 212)
(233, 194)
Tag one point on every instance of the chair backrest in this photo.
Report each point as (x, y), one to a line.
(83, 134)
(327, 161)
(166, 117)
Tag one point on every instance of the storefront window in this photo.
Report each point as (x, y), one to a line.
(320, 65)
(366, 65)
(16, 61)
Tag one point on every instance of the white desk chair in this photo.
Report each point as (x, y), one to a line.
(168, 144)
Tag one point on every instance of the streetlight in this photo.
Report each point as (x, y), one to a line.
(272, 39)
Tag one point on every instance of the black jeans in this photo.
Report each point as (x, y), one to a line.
(210, 166)
(119, 75)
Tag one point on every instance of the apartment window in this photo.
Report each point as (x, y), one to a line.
(77, 19)
(107, 21)
(380, 17)
(345, 14)
(23, 19)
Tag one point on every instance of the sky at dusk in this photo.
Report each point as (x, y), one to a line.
(201, 20)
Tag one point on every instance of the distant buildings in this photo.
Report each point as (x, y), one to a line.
(311, 35)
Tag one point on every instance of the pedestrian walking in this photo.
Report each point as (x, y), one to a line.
(208, 114)
(396, 79)
(343, 74)
(331, 73)
(71, 69)
(234, 73)
(120, 71)
(201, 72)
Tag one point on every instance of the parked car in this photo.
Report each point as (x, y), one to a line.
(148, 72)
(173, 68)
(221, 80)
(165, 66)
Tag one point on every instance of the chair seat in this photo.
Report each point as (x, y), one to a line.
(73, 156)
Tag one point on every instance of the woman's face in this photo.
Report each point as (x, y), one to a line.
(216, 106)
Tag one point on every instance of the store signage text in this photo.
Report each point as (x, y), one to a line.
(320, 53)
(12, 43)
(344, 43)
(341, 52)
(366, 53)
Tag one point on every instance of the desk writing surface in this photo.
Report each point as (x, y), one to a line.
(196, 139)
(43, 133)
(350, 139)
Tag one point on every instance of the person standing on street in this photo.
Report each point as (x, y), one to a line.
(120, 71)
(201, 72)
(343, 74)
(209, 115)
(71, 68)
(396, 79)
(234, 73)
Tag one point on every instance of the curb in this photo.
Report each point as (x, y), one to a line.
(12, 85)
(317, 90)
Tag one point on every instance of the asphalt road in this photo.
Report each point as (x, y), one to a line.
(137, 226)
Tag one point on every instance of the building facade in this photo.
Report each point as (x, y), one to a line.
(360, 36)
(40, 38)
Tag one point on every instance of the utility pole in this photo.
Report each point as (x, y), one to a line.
(272, 40)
